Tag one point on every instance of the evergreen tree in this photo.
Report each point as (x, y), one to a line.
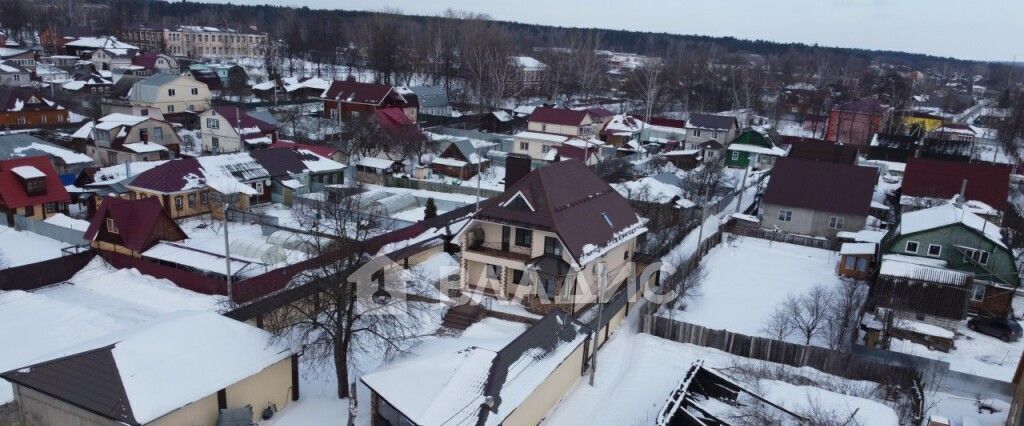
(430, 210)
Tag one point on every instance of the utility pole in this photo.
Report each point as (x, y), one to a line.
(599, 270)
(703, 218)
(476, 150)
(227, 246)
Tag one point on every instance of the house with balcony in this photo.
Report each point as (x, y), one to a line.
(227, 129)
(117, 138)
(553, 239)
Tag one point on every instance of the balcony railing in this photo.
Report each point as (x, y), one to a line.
(495, 249)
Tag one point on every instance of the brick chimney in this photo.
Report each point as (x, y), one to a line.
(516, 166)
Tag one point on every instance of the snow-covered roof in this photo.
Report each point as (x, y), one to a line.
(948, 214)
(114, 174)
(445, 161)
(65, 221)
(204, 261)
(27, 146)
(857, 248)
(117, 119)
(916, 268)
(754, 149)
(547, 137)
(141, 147)
(528, 62)
(652, 190)
(864, 236)
(317, 163)
(375, 163)
(28, 172)
(100, 43)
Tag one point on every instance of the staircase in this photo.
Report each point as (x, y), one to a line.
(462, 316)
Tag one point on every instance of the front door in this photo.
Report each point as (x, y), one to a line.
(505, 236)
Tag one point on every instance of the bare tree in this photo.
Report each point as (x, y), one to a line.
(844, 315)
(805, 314)
(348, 317)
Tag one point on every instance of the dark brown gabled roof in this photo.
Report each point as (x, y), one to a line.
(354, 91)
(89, 380)
(822, 186)
(988, 183)
(135, 221)
(569, 199)
(712, 121)
(561, 116)
(824, 151)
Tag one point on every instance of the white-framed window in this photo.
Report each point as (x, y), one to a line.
(170, 92)
(195, 90)
(934, 250)
(835, 222)
(158, 134)
(170, 108)
(212, 123)
(976, 256)
(911, 247)
(735, 155)
(111, 226)
(785, 215)
(978, 293)
(524, 146)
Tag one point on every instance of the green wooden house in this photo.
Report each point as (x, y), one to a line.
(957, 240)
(752, 149)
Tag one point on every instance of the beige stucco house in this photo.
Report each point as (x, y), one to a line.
(171, 93)
(552, 240)
(179, 369)
(117, 138)
(231, 129)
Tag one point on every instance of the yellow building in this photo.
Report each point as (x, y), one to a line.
(925, 121)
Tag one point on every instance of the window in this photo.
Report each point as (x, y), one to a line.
(978, 293)
(911, 247)
(50, 207)
(517, 276)
(30, 211)
(144, 134)
(191, 107)
(524, 237)
(696, 132)
(735, 155)
(22, 120)
(158, 133)
(144, 112)
(493, 271)
(835, 222)
(543, 127)
(850, 263)
(170, 92)
(203, 198)
(170, 108)
(35, 186)
(625, 255)
(111, 226)
(179, 202)
(259, 188)
(976, 256)
(785, 215)
(195, 90)
(191, 201)
(862, 264)
(215, 144)
(607, 219)
(934, 250)
(111, 157)
(552, 246)
(524, 146)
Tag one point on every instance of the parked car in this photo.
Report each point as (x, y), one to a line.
(1003, 328)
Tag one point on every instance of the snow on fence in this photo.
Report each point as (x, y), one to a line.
(785, 237)
(846, 365)
(426, 185)
(49, 230)
(41, 274)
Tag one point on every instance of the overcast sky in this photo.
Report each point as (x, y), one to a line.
(969, 29)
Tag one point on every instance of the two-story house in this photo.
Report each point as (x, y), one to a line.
(31, 187)
(549, 128)
(131, 226)
(12, 74)
(227, 129)
(561, 121)
(22, 107)
(117, 138)
(171, 93)
(959, 263)
(553, 239)
(346, 99)
(817, 198)
(856, 122)
(703, 128)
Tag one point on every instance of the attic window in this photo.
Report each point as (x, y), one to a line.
(607, 219)
(111, 226)
(519, 202)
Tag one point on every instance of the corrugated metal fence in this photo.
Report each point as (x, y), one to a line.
(49, 230)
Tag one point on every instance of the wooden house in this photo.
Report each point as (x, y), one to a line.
(460, 159)
(31, 187)
(752, 149)
(131, 226)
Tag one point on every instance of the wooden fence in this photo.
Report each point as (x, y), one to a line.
(784, 237)
(847, 365)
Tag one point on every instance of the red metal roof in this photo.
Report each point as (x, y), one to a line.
(988, 183)
(561, 116)
(323, 151)
(168, 177)
(395, 122)
(12, 189)
(667, 122)
(822, 186)
(135, 220)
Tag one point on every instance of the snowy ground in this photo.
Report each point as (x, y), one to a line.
(98, 300)
(21, 248)
(207, 235)
(975, 353)
(757, 275)
(637, 372)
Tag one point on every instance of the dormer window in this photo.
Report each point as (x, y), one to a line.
(607, 219)
(36, 186)
(111, 226)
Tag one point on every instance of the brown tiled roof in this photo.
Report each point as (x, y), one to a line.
(824, 151)
(561, 116)
(354, 91)
(712, 121)
(822, 186)
(988, 183)
(569, 199)
(89, 380)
